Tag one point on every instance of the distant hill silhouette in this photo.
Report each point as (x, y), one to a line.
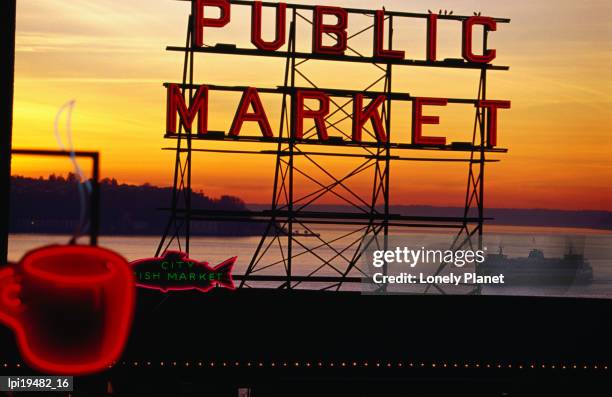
(501, 216)
(51, 205)
(523, 217)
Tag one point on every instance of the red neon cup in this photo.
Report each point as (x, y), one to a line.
(70, 307)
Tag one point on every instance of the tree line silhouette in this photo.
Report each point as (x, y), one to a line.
(51, 205)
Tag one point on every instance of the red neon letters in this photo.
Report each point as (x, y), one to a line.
(361, 116)
(338, 30)
(432, 37)
(379, 39)
(330, 34)
(252, 109)
(491, 107)
(281, 17)
(200, 21)
(468, 32)
(318, 115)
(251, 98)
(176, 104)
(418, 120)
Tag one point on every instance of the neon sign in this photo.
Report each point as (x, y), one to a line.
(70, 307)
(175, 271)
(251, 109)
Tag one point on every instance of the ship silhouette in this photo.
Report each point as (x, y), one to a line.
(536, 269)
(299, 233)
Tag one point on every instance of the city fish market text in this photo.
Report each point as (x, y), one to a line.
(174, 271)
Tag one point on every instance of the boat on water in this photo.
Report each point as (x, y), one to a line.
(536, 269)
(300, 233)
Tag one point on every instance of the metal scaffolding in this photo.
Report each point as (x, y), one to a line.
(286, 258)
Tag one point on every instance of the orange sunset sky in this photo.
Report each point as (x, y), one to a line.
(109, 55)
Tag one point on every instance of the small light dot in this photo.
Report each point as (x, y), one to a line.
(199, 363)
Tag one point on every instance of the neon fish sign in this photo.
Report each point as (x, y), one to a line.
(175, 271)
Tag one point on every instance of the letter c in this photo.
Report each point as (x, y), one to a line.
(377, 280)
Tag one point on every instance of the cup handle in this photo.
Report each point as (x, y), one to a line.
(10, 303)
